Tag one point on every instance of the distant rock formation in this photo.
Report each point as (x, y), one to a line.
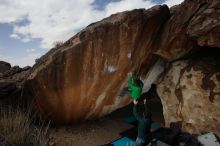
(84, 78)
(11, 83)
(4, 66)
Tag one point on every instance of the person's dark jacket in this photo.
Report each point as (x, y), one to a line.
(144, 124)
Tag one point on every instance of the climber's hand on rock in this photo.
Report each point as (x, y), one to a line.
(130, 74)
(135, 102)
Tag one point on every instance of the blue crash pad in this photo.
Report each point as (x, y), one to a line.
(155, 126)
(124, 141)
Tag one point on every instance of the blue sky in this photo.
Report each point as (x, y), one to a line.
(29, 29)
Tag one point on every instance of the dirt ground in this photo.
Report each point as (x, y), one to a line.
(101, 131)
(91, 133)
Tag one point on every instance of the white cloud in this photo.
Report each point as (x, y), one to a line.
(123, 5)
(15, 36)
(171, 3)
(51, 20)
(10, 12)
(30, 50)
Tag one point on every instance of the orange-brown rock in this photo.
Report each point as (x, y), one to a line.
(190, 92)
(204, 26)
(84, 77)
(193, 23)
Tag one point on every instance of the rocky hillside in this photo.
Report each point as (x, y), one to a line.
(11, 83)
(85, 77)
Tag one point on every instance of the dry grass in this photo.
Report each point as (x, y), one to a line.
(17, 128)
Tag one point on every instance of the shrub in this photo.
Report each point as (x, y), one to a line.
(17, 128)
(58, 44)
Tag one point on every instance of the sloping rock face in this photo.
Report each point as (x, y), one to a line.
(190, 93)
(84, 78)
(11, 83)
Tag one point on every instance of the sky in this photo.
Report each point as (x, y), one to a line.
(30, 28)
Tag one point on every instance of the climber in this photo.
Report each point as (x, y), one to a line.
(144, 123)
(135, 85)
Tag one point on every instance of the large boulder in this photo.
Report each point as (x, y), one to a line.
(190, 92)
(84, 77)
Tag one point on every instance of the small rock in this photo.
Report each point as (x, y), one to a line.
(51, 143)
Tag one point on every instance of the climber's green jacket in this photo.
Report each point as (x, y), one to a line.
(136, 91)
